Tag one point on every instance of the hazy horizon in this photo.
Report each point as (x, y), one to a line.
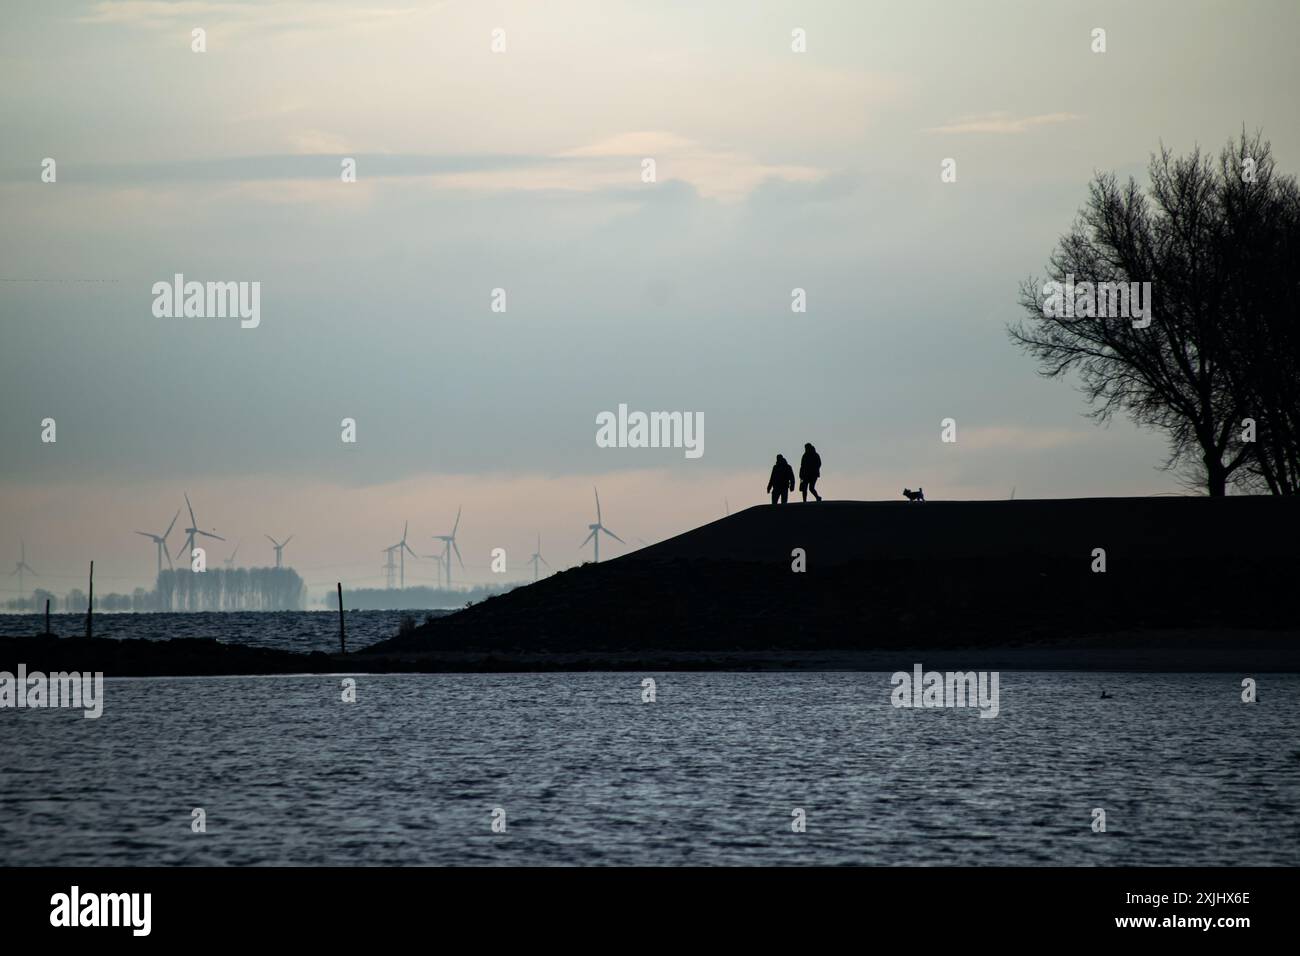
(521, 170)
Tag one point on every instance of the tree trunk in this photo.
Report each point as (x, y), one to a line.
(1216, 477)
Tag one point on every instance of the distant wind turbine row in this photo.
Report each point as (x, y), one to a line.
(450, 547)
(193, 532)
(400, 549)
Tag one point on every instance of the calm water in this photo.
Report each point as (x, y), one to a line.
(708, 774)
(286, 630)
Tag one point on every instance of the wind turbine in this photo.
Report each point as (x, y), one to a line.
(537, 556)
(448, 545)
(161, 541)
(279, 547)
(22, 566)
(194, 529)
(230, 561)
(402, 548)
(438, 559)
(596, 529)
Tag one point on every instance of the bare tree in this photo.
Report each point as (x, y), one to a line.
(1261, 254)
(1218, 344)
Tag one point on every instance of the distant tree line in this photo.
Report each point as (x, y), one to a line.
(1217, 369)
(234, 589)
(413, 598)
(75, 601)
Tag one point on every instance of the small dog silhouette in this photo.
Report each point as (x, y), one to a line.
(910, 495)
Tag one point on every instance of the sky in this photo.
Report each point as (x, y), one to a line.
(522, 169)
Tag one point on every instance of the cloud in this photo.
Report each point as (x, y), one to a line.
(312, 141)
(714, 172)
(1000, 122)
(608, 164)
(269, 166)
(639, 143)
(237, 17)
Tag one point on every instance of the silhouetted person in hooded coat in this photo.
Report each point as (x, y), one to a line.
(810, 469)
(782, 481)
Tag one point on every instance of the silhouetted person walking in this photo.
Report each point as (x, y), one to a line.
(782, 481)
(810, 469)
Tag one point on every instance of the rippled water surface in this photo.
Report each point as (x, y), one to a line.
(707, 774)
(285, 630)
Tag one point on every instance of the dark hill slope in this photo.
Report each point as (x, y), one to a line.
(899, 575)
(838, 532)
